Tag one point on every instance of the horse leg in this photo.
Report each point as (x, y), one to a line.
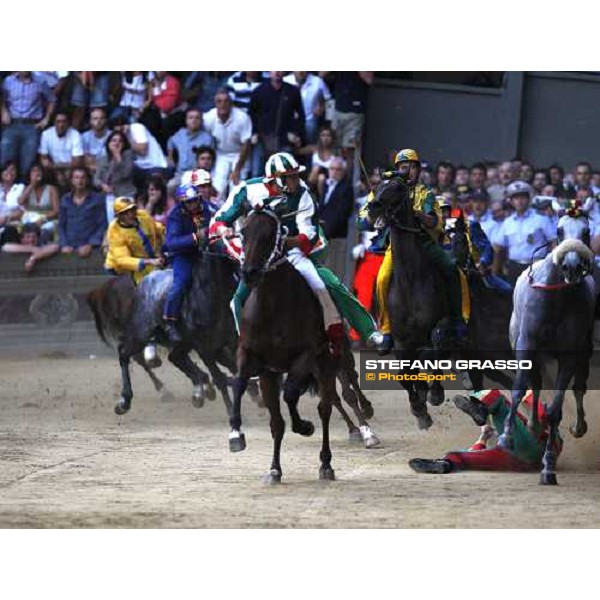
(582, 371)
(567, 365)
(237, 440)
(436, 395)
(535, 377)
(221, 381)
(139, 359)
(270, 384)
(349, 369)
(328, 395)
(416, 398)
(180, 357)
(519, 389)
(291, 395)
(366, 434)
(124, 403)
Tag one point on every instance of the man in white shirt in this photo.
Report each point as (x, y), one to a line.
(522, 234)
(314, 93)
(149, 157)
(61, 148)
(232, 129)
(94, 140)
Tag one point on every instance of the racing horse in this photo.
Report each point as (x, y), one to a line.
(553, 317)
(418, 307)
(133, 316)
(282, 331)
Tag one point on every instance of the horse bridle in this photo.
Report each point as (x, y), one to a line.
(277, 256)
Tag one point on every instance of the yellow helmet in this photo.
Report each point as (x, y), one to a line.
(407, 155)
(123, 204)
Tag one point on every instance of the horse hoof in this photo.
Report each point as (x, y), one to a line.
(305, 428)
(197, 401)
(424, 421)
(237, 444)
(578, 432)
(211, 393)
(273, 477)
(122, 406)
(548, 479)
(326, 474)
(355, 436)
(372, 441)
(436, 397)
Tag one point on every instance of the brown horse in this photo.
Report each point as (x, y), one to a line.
(282, 331)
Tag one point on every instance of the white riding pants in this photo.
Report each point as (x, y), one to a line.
(307, 269)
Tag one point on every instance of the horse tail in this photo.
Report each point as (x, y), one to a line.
(112, 307)
(94, 299)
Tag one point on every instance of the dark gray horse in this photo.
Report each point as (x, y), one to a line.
(417, 303)
(553, 317)
(133, 316)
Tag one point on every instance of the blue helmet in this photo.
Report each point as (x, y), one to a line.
(187, 193)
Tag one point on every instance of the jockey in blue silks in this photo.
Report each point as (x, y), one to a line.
(186, 230)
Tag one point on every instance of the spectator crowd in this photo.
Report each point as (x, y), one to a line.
(73, 142)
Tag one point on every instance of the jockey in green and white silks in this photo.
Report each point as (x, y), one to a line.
(305, 240)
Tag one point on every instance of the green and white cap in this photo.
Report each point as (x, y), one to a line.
(281, 164)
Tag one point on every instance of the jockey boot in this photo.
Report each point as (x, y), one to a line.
(172, 332)
(439, 466)
(473, 407)
(336, 334)
(386, 344)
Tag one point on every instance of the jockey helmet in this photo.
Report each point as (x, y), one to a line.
(187, 192)
(407, 155)
(123, 204)
(196, 177)
(519, 188)
(279, 165)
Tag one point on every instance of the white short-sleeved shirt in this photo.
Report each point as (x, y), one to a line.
(231, 135)
(61, 150)
(155, 158)
(92, 145)
(524, 234)
(311, 90)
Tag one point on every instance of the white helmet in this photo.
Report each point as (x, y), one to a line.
(279, 165)
(196, 177)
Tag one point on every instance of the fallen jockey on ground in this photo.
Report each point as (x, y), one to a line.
(427, 211)
(305, 240)
(492, 405)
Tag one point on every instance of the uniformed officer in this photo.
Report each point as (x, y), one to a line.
(524, 236)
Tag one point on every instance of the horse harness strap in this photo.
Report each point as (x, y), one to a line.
(549, 286)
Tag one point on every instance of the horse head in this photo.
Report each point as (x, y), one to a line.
(574, 228)
(392, 206)
(574, 259)
(264, 240)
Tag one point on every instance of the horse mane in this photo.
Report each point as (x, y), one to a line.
(571, 245)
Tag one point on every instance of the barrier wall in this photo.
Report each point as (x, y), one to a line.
(46, 312)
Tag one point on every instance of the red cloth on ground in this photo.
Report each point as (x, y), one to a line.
(365, 279)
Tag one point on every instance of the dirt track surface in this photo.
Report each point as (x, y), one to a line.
(66, 460)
